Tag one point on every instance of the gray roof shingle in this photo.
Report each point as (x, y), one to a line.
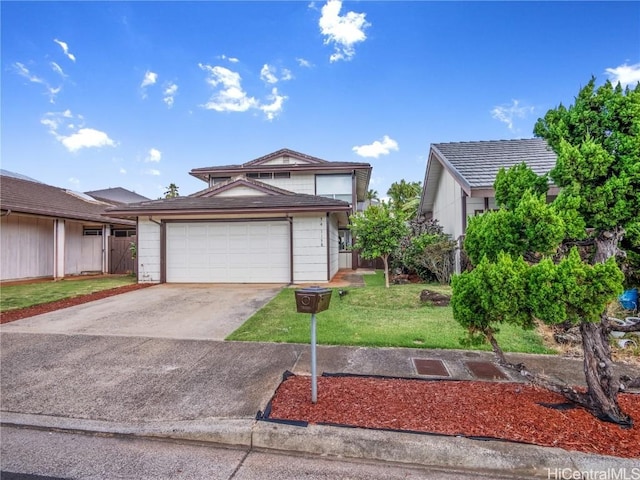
(117, 195)
(478, 163)
(37, 198)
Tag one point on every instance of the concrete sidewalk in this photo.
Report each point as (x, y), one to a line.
(210, 391)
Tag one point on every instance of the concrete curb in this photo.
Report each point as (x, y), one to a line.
(223, 431)
(434, 451)
(487, 456)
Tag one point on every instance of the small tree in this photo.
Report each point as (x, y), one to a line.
(377, 232)
(172, 191)
(597, 141)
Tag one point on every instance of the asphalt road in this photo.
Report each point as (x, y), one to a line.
(27, 454)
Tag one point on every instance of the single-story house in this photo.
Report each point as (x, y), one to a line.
(459, 177)
(50, 232)
(281, 218)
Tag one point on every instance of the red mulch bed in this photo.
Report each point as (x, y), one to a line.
(19, 313)
(508, 411)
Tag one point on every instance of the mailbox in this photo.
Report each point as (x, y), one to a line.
(312, 299)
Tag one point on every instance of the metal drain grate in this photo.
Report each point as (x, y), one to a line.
(425, 366)
(485, 370)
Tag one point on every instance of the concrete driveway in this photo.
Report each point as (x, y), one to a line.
(178, 311)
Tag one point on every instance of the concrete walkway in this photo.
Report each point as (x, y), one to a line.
(211, 391)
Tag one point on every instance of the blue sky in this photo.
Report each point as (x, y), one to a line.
(136, 94)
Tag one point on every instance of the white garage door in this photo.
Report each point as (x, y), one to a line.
(229, 252)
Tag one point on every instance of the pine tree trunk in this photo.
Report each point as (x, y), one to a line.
(607, 244)
(603, 385)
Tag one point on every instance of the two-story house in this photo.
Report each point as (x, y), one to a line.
(281, 218)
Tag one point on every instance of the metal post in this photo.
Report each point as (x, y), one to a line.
(314, 385)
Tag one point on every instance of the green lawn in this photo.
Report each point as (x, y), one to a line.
(374, 316)
(28, 294)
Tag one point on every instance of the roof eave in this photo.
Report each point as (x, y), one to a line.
(235, 211)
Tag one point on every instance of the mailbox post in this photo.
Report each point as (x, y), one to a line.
(313, 300)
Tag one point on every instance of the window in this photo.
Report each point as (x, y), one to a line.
(267, 175)
(92, 231)
(344, 237)
(282, 175)
(124, 233)
(214, 180)
(334, 186)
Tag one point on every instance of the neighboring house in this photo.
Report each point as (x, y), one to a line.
(282, 218)
(117, 196)
(50, 232)
(459, 177)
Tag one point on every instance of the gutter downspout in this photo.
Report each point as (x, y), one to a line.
(328, 249)
(290, 249)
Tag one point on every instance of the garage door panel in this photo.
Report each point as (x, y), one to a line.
(233, 252)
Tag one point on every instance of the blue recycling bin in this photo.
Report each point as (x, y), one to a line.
(629, 299)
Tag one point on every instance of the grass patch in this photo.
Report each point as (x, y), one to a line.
(376, 317)
(29, 294)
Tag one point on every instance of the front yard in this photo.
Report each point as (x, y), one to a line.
(374, 316)
(29, 294)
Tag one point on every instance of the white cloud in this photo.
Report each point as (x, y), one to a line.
(344, 31)
(154, 155)
(152, 171)
(229, 59)
(65, 49)
(624, 74)
(169, 94)
(508, 113)
(273, 109)
(267, 74)
(304, 63)
(377, 148)
(81, 137)
(123, 171)
(58, 69)
(149, 79)
(23, 71)
(230, 97)
(87, 138)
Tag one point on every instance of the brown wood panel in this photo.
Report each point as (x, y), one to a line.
(120, 259)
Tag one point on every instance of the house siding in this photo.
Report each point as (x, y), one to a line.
(309, 249)
(148, 251)
(26, 247)
(241, 191)
(303, 183)
(334, 242)
(447, 207)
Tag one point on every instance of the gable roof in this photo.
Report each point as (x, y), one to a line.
(475, 165)
(24, 196)
(117, 195)
(301, 163)
(240, 181)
